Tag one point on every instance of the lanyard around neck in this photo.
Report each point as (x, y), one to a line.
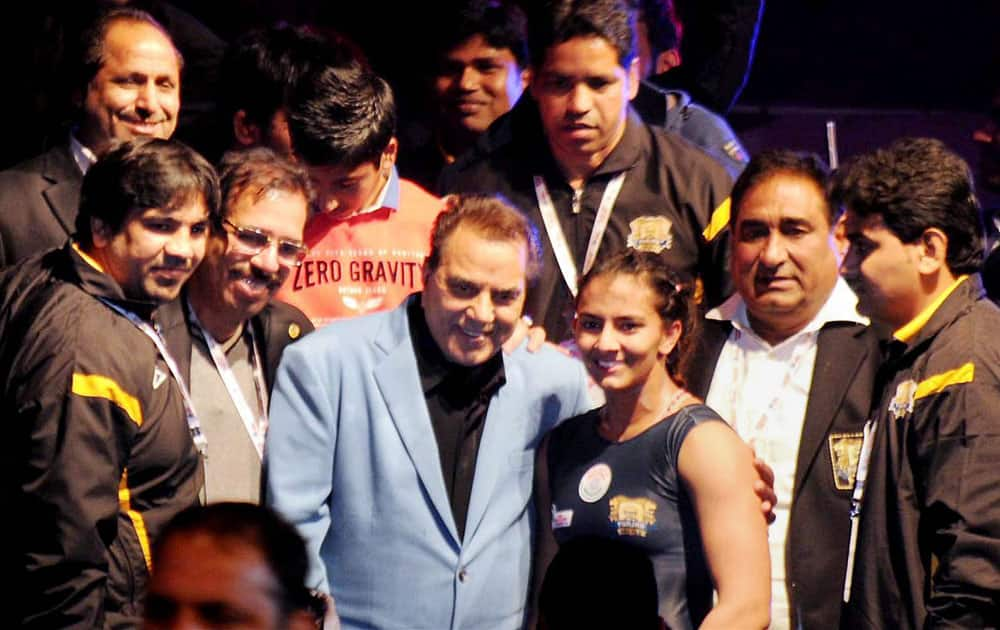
(254, 423)
(194, 427)
(560, 247)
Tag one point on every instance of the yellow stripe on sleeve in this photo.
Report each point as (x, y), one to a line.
(125, 502)
(97, 386)
(719, 221)
(938, 382)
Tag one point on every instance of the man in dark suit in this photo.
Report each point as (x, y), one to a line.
(129, 86)
(226, 332)
(791, 364)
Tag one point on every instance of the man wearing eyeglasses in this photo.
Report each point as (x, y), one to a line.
(226, 332)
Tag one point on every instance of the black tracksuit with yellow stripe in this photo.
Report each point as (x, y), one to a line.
(98, 454)
(928, 553)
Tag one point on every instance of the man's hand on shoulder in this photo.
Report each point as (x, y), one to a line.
(525, 330)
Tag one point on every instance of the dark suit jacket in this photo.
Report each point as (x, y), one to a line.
(38, 204)
(839, 400)
(275, 327)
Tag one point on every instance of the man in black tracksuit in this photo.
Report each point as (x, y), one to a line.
(99, 453)
(583, 150)
(928, 513)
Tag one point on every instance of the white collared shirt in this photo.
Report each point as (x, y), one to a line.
(762, 391)
(82, 155)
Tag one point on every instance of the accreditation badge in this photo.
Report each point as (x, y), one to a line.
(845, 453)
(595, 483)
(901, 404)
(650, 234)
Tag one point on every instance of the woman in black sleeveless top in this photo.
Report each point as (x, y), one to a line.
(654, 467)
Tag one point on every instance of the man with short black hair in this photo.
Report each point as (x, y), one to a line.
(927, 514)
(478, 73)
(230, 562)
(103, 444)
(260, 73)
(128, 86)
(226, 332)
(595, 176)
(368, 235)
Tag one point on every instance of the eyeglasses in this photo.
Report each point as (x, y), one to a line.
(252, 241)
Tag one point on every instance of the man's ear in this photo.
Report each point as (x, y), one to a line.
(933, 251)
(666, 60)
(525, 77)
(633, 78)
(389, 154)
(247, 133)
(840, 242)
(100, 233)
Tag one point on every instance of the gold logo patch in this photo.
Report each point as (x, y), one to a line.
(845, 452)
(632, 516)
(294, 330)
(650, 234)
(901, 404)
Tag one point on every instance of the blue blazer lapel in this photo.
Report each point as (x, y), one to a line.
(399, 383)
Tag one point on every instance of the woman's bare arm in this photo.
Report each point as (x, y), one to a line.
(717, 470)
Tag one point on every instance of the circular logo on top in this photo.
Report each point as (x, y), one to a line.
(595, 483)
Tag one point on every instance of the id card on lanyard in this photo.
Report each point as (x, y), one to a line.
(255, 423)
(560, 247)
(859, 492)
(194, 427)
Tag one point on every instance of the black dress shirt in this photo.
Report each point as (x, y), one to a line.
(458, 398)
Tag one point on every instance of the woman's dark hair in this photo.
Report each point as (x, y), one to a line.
(674, 293)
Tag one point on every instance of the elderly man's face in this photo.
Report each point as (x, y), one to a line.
(475, 296)
(136, 92)
(783, 256)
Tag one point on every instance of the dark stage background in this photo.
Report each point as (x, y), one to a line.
(880, 69)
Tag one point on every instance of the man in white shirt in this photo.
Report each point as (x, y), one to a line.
(789, 362)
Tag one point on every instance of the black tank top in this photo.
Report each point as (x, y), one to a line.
(631, 491)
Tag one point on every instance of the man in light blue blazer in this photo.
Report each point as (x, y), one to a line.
(402, 443)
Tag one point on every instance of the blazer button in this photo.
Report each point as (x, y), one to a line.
(463, 575)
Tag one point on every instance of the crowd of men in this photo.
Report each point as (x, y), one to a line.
(157, 343)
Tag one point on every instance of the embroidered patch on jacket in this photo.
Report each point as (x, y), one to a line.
(294, 330)
(651, 234)
(901, 404)
(632, 516)
(845, 452)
